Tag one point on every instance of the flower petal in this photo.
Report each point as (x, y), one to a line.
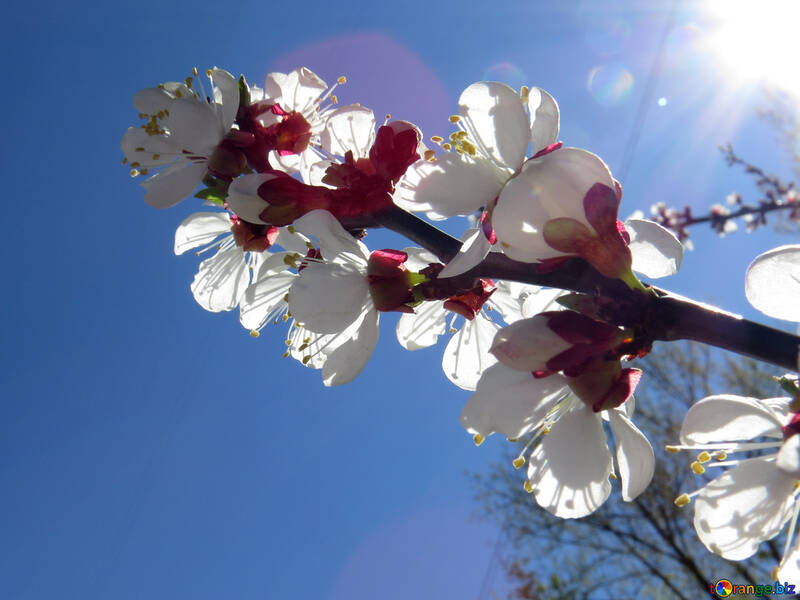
(510, 402)
(221, 280)
(299, 89)
(495, 119)
(200, 229)
(263, 297)
(243, 197)
(147, 150)
(193, 125)
(422, 328)
(726, 418)
(345, 292)
(743, 507)
(178, 182)
(544, 118)
(150, 101)
(474, 249)
(635, 457)
(569, 470)
(549, 187)
(451, 186)
(788, 459)
(336, 244)
(789, 569)
(349, 128)
(656, 251)
(419, 258)
(349, 359)
(772, 283)
(228, 97)
(467, 355)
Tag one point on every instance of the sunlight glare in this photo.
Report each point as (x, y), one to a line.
(756, 40)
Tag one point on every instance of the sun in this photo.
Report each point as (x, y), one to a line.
(756, 40)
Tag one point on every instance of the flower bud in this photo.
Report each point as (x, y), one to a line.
(604, 384)
(389, 281)
(554, 341)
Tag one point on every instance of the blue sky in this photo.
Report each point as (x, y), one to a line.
(151, 450)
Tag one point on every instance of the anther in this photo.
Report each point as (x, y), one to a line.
(612, 475)
(698, 468)
(334, 99)
(254, 333)
(306, 358)
(285, 318)
(518, 462)
(437, 139)
(430, 155)
(194, 71)
(672, 449)
(478, 439)
(285, 354)
(528, 486)
(720, 455)
(342, 80)
(454, 118)
(682, 500)
(447, 146)
(134, 172)
(703, 457)
(288, 342)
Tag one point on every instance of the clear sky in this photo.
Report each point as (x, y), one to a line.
(149, 449)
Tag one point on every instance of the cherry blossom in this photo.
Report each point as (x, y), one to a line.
(222, 279)
(185, 136)
(752, 501)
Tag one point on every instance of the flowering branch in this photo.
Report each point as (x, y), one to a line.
(669, 316)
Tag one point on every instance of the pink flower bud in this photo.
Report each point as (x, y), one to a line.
(604, 384)
(554, 341)
(389, 283)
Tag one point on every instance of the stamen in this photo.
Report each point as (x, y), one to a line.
(454, 118)
(703, 457)
(478, 439)
(682, 500)
(528, 486)
(698, 468)
(255, 333)
(518, 462)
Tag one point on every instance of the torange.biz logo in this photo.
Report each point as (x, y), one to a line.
(724, 588)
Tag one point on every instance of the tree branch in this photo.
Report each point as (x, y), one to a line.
(664, 316)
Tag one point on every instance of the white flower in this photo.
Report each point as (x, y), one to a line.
(751, 502)
(495, 131)
(332, 296)
(222, 279)
(304, 93)
(570, 464)
(466, 355)
(181, 137)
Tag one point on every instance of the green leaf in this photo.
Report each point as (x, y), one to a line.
(215, 195)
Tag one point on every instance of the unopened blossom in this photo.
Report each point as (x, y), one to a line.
(496, 127)
(222, 279)
(185, 136)
(569, 463)
(752, 501)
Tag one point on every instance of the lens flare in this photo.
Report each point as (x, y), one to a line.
(507, 73)
(610, 85)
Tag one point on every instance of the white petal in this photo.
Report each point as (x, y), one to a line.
(474, 249)
(419, 258)
(496, 121)
(147, 150)
(336, 244)
(548, 187)
(221, 280)
(772, 283)
(174, 184)
(300, 89)
(544, 117)
(228, 88)
(292, 242)
(263, 297)
(788, 459)
(528, 344)
(200, 229)
(349, 359)
(635, 457)
(448, 187)
(569, 469)
(467, 355)
(743, 507)
(327, 298)
(150, 101)
(349, 128)
(656, 251)
(423, 328)
(510, 402)
(193, 125)
(538, 300)
(726, 417)
(789, 571)
(243, 197)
